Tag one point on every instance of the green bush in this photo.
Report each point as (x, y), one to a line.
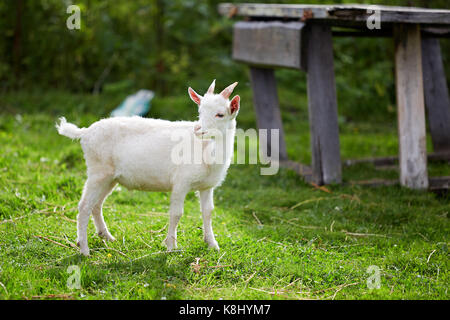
(167, 45)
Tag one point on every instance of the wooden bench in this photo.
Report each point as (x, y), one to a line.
(300, 37)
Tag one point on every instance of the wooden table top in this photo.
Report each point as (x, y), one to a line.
(352, 15)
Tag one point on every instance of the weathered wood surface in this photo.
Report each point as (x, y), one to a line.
(270, 44)
(411, 107)
(299, 168)
(440, 184)
(353, 15)
(388, 161)
(387, 32)
(322, 105)
(267, 109)
(442, 32)
(437, 98)
(435, 184)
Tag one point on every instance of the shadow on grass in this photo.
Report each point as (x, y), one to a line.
(147, 278)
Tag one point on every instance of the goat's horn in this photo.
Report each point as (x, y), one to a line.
(226, 93)
(211, 87)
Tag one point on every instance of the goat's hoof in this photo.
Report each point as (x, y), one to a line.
(171, 244)
(85, 252)
(213, 245)
(106, 235)
(84, 249)
(171, 248)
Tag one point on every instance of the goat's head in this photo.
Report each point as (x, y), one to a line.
(216, 111)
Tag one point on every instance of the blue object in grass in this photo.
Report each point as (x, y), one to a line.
(137, 104)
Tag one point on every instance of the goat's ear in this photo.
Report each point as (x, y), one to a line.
(194, 96)
(234, 105)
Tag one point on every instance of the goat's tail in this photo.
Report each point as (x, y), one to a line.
(68, 129)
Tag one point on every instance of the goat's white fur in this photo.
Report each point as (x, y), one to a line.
(136, 153)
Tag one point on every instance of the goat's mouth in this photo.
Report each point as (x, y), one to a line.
(201, 133)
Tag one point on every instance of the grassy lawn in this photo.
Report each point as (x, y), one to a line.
(280, 237)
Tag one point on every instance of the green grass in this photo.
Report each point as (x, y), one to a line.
(320, 249)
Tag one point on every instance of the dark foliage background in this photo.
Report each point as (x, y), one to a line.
(164, 45)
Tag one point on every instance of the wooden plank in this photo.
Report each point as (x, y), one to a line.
(440, 186)
(267, 109)
(436, 183)
(442, 32)
(411, 107)
(387, 161)
(388, 33)
(269, 44)
(337, 14)
(440, 183)
(322, 105)
(436, 94)
(301, 169)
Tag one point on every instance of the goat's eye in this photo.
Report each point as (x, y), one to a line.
(219, 115)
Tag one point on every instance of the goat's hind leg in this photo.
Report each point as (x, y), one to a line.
(95, 190)
(97, 214)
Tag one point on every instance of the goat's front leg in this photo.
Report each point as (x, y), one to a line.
(175, 212)
(207, 206)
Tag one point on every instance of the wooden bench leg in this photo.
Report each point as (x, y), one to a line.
(411, 107)
(436, 94)
(322, 105)
(267, 109)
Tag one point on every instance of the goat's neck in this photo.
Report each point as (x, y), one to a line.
(227, 144)
(230, 133)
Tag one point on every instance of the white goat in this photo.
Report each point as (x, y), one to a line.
(136, 153)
